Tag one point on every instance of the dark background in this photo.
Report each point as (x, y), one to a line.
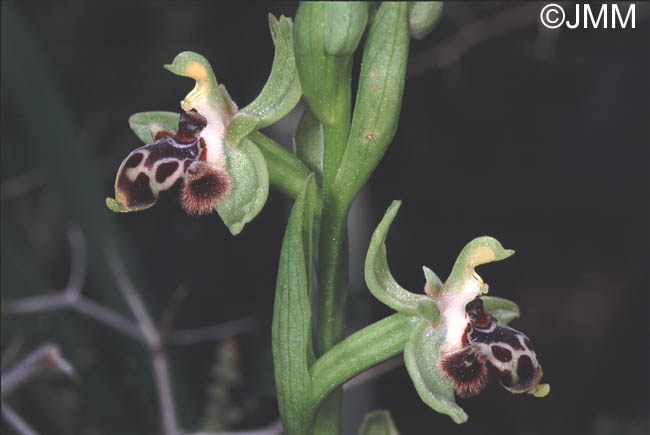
(536, 137)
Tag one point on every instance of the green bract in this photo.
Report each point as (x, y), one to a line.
(281, 91)
(291, 330)
(439, 318)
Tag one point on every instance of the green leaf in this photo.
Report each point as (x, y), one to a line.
(379, 97)
(378, 422)
(423, 16)
(291, 328)
(381, 282)
(146, 124)
(280, 93)
(421, 355)
(250, 186)
(344, 25)
(308, 143)
(479, 251)
(503, 309)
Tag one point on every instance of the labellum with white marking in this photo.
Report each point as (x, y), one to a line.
(174, 160)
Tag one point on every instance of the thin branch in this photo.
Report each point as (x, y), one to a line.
(169, 315)
(374, 372)
(152, 339)
(21, 184)
(449, 52)
(77, 262)
(47, 355)
(16, 421)
(12, 350)
(212, 333)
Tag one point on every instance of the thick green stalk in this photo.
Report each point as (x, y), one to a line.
(360, 351)
(332, 296)
(286, 172)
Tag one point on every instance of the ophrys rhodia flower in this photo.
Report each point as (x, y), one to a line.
(456, 330)
(204, 152)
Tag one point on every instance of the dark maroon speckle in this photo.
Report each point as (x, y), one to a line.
(164, 170)
(138, 193)
(501, 353)
(525, 369)
(506, 378)
(133, 161)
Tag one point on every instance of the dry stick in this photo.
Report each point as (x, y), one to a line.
(47, 355)
(152, 340)
(16, 421)
(71, 298)
(469, 35)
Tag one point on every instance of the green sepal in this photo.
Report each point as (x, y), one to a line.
(421, 355)
(216, 96)
(503, 309)
(146, 124)
(309, 142)
(378, 422)
(344, 23)
(379, 97)
(423, 16)
(291, 328)
(380, 281)
(250, 186)
(115, 206)
(479, 251)
(280, 93)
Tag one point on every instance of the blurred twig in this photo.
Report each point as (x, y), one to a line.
(15, 421)
(21, 184)
(142, 330)
(449, 52)
(45, 356)
(152, 340)
(72, 298)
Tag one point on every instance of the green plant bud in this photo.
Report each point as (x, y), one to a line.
(344, 25)
(379, 97)
(280, 93)
(423, 16)
(309, 143)
(324, 79)
(378, 422)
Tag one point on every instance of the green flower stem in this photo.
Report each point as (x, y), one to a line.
(332, 296)
(286, 172)
(360, 351)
